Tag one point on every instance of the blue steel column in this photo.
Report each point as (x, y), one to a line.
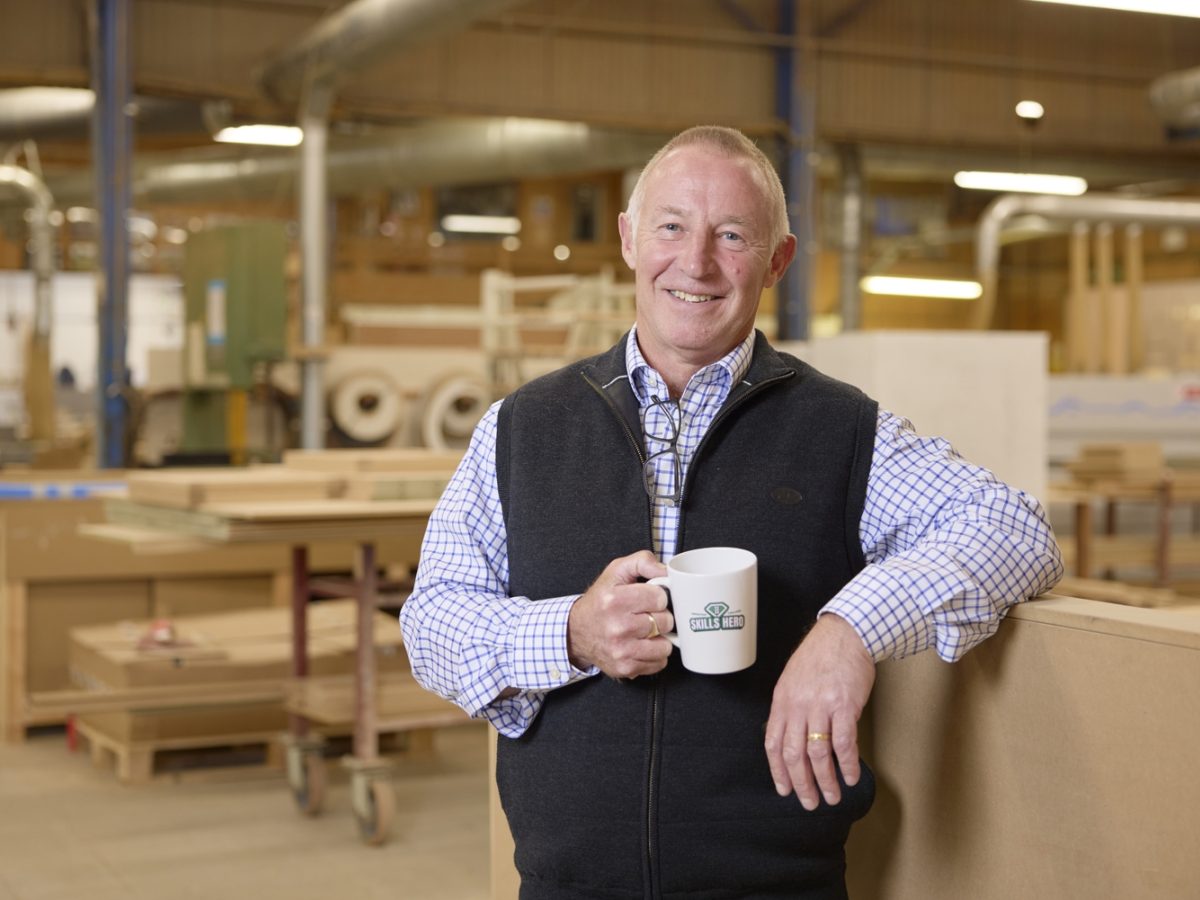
(112, 136)
(794, 107)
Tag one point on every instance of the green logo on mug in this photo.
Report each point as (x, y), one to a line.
(719, 618)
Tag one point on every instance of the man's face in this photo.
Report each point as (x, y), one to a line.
(701, 257)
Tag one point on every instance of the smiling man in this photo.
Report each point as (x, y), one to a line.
(622, 774)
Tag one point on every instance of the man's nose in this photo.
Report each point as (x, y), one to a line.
(697, 254)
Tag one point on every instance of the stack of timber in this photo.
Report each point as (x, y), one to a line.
(206, 681)
(1127, 462)
(314, 496)
(381, 474)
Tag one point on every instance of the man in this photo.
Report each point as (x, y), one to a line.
(872, 543)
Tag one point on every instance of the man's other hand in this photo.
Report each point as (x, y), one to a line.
(609, 626)
(822, 691)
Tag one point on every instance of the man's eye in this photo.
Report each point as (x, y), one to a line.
(731, 236)
(671, 226)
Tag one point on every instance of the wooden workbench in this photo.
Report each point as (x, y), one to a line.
(1163, 551)
(299, 523)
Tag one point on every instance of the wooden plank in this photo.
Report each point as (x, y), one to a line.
(15, 612)
(193, 488)
(145, 541)
(402, 703)
(378, 486)
(54, 705)
(282, 522)
(1117, 592)
(395, 460)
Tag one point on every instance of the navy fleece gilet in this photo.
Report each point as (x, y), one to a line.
(658, 787)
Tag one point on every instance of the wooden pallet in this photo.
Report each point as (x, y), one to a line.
(134, 761)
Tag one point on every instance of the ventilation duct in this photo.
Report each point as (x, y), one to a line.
(1088, 208)
(57, 112)
(362, 33)
(443, 152)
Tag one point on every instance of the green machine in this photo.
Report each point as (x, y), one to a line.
(235, 293)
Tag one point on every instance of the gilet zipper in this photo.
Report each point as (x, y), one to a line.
(653, 891)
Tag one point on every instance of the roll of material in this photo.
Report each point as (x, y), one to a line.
(367, 407)
(452, 409)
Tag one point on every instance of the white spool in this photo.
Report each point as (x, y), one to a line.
(367, 407)
(453, 407)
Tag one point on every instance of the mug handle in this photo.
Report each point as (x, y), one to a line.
(665, 583)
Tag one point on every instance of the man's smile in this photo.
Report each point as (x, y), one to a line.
(692, 298)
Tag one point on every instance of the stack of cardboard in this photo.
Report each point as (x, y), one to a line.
(1132, 461)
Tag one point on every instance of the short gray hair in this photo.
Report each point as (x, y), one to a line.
(731, 143)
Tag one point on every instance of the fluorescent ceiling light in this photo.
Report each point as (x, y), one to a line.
(940, 288)
(270, 135)
(1023, 182)
(464, 224)
(1030, 109)
(1164, 7)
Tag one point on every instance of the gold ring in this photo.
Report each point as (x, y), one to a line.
(654, 632)
(819, 736)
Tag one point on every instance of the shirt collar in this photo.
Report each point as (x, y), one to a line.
(645, 381)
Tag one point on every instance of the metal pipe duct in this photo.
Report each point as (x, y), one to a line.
(35, 112)
(1176, 99)
(1087, 208)
(362, 33)
(39, 393)
(41, 202)
(443, 152)
(314, 198)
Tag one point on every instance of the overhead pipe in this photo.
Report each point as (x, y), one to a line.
(1087, 208)
(354, 38)
(454, 151)
(39, 392)
(35, 112)
(361, 34)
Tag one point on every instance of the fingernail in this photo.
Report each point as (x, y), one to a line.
(780, 789)
(832, 800)
(808, 803)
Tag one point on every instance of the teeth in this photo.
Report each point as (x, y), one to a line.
(691, 298)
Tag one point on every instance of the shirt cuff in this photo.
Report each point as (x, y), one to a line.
(877, 605)
(538, 659)
(533, 659)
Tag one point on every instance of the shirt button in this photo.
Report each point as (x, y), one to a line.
(556, 674)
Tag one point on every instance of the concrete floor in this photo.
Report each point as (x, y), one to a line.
(69, 830)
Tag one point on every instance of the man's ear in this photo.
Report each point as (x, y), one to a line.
(781, 259)
(628, 250)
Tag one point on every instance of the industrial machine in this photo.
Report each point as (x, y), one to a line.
(235, 296)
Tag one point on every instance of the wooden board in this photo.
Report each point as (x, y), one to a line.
(401, 705)
(301, 522)
(398, 459)
(194, 488)
(397, 485)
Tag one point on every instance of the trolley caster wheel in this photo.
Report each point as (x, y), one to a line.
(307, 779)
(374, 801)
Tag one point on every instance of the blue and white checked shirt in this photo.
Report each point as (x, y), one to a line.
(948, 548)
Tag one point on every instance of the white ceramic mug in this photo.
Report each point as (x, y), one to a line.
(714, 597)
